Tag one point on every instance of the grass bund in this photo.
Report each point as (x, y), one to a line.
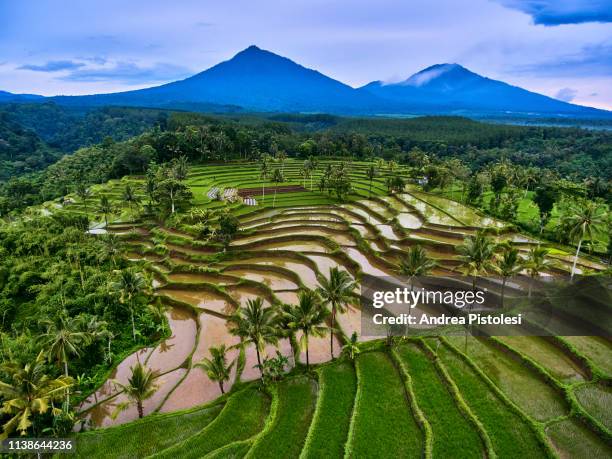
(433, 398)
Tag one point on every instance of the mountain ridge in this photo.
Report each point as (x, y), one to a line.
(262, 81)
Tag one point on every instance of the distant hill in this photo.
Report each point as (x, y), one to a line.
(10, 97)
(255, 80)
(452, 88)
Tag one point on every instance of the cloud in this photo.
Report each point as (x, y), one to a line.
(592, 60)
(129, 73)
(557, 12)
(52, 66)
(566, 94)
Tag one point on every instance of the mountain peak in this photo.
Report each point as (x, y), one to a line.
(439, 71)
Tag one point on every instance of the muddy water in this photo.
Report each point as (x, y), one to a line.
(272, 280)
(304, 224)
(121, 374)
(133, 256)
(369, 217)
(251, 372)
(377, 207)
(387, 232)
(397, 205)
(243, 294)
(307, 275)
(201, 299)
(197, 388)
(318, 349)
(301, 246)
(363, 230)
(188, 250)
(324, 264)
(172, 352)
(288, 297)
(350, 321)
(364, 262)
(101, 415)
(199, 278)
(409, 221)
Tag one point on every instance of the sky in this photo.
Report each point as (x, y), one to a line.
(561, 48)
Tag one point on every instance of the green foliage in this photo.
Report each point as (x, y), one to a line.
(145, 436)
(381, 412)
(330, 424)
(288, 429)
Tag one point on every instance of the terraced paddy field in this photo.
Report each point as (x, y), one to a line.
(481, 397)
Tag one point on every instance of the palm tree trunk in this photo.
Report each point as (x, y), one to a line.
(274, 203)
(502, 292)
(221, 387)
(133, 325)
(307, 355)
(331, 332)
(575, 259)
(263, 190)
(259, 360)
(140, 409)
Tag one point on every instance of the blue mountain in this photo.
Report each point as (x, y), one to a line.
(254, 79)
(451, 88)
(261, 81)
(10, 97)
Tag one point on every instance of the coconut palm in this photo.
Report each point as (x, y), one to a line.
(371, 173)
(140, 387)
(264, 172)
(84, 194)
(337, 292)
(130, 284)
(105, 208)
(308, 316)
(27, 391)
(351, 348)
(217, 368)
(281, 157)
(130, 196)
(416, 263)
(64, 337)
(583, 223)
(476, 256)
(537, 262)
(277, 177)
(509, 263)
(255, 324)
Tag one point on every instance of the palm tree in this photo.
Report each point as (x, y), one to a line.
(351, 348)
(27, 391)
(84, 193)
(281, 157)
(130, 196)
(370, 174)
(140, 387)
(416, 263)
(277, 177)
(216, 368)
(131, 284)
(105, 209)
(264, 171)
(509, 263)
(255, 324)
(584, 222)
(476, 254)
(536, 262)
(112, 245)
(64, 336)
(308, 316)
(337, 292)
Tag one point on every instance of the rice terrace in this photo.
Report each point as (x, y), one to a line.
(423, 396)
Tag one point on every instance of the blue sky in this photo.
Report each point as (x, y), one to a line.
(560, 48)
